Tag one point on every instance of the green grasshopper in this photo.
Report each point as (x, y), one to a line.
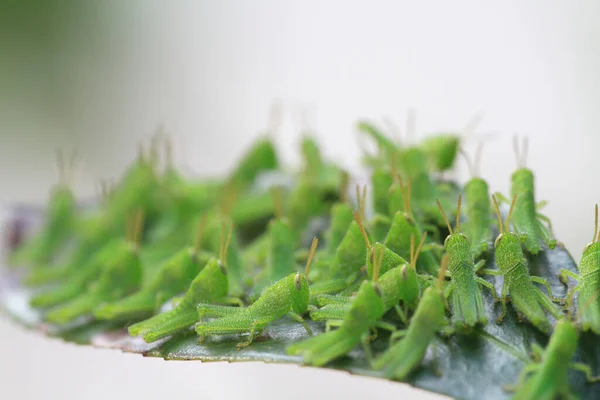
(58, 225)
(399, 284)
(172, 279)
(527, 221)
(477, 226)
(289, 296)
(349, 257)
(210, 285)
(280, 247)
(260, 157)
(442, 149)
(589, 282)
(404, 356)
(467, 302)
(518, 284)
(363, 314)
(120, 276)
(549, 374)
(80, 279)
(403, 227)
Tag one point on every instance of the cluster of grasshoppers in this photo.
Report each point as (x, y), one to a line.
(166, 255)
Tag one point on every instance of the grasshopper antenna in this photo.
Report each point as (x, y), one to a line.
(596, 235)
(393, 129)
(457, 229)
(510, 212)
(137, 227)
(345, 183)
(419, 247)
(200, 235)
(521, 156)
(500, 226)
(444, 216)
(477, 162)
(275, 116)
(442, 273)
(361, 199)
(311, 254)
(472, 125)
(361, 226)
(412, 249)
(377, 264)
(277, 201)
(225, 241)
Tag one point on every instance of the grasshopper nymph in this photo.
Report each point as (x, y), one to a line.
(518, 284)
(588, 282)
(467, 302)
(363, 314)
(549, 374)
(404, 356)
(527, 221)
(288, 296)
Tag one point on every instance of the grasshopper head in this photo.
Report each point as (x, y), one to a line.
(300, 294)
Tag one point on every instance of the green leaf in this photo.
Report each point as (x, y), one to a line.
(474, 366)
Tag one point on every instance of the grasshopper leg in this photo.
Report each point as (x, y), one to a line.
(255, 330)
(536, 352)
(488, 285)
(401, 314)
(547, 286)
(546, 303)
(479, 265)
(386, 325)
(299, 318)
(528, 369)
(397, 335)
(564, 275)
(586, 370)
(332, 323)
(503, 303)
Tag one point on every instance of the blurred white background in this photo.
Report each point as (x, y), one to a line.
(101, 76)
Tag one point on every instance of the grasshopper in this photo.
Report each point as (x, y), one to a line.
(404, 227)
(79, 279)
(527, 221)
(442, 149)
(404, 356)
(363, 314)
(349, 257)
(518, 284)
(549, 374)
(467, 302)
(477, 226)
(58, 225)
(210, 285)
(399, 284)
(120, 276)
(172, 279)
(289, 296)
(589, 282)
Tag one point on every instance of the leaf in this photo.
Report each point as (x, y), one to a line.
(472, 366)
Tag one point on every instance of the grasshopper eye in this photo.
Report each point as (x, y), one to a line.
(446, 240)
(500, 236)
(378, 291)
(409, 219)
(587, 246)
(298, 281)
(222, 268)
